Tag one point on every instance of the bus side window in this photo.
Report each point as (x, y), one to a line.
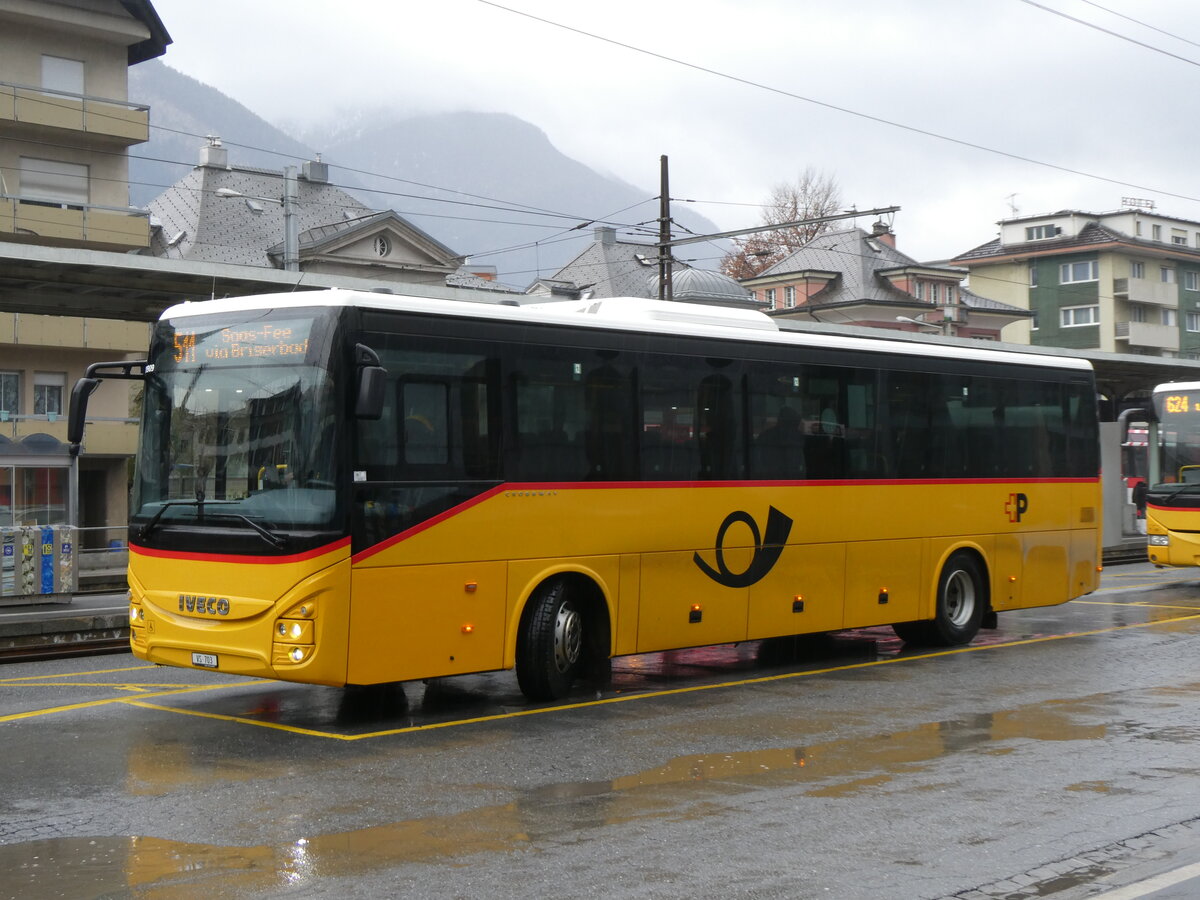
(426, 433)
(776, 424)
(690, 426)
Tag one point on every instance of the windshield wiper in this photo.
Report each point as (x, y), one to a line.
(153, 523)
(270, 537)
(275, 540)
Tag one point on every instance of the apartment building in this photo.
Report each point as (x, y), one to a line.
(1126, 281)
(66, 127)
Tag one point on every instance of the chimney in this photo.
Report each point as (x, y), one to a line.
(606, 235)
(880, 231)
(315, 171)
(214, 155)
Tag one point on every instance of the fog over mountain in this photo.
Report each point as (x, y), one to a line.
(487, 185)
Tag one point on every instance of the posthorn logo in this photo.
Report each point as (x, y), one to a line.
(767, 548)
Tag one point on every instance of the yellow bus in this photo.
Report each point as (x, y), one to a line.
(1173, 490)
(356, 488)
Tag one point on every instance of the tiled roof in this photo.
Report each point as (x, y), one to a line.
(198, 224)
(241, 230)
(1091, 234)
(612, 269)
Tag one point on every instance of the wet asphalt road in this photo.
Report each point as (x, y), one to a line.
(1057, 756)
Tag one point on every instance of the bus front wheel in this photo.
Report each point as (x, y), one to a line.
(551, 642)
(961, 603)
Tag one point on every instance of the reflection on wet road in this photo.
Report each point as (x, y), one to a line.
(239, 787)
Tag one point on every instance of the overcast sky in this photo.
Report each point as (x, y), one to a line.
(846, 88)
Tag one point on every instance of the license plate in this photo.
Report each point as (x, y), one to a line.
(207, 660)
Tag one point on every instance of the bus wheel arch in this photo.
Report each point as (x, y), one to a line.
(961, 602)
(564, 635)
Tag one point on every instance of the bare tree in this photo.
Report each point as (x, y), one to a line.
(812, 195)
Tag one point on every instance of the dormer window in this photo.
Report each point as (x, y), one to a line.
(1041, 232)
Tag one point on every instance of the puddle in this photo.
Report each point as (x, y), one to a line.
(683, 787)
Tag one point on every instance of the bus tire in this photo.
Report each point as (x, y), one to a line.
(961, 604)
(550, 646)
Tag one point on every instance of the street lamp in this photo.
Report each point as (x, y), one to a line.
(943, 328)
(291, 235)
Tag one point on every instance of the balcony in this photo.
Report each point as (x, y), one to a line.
(36, 109)
(101, 227)
(105, 435)
(1143, 290)
(1145, 335)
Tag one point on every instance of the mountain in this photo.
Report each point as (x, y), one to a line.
(487, 185)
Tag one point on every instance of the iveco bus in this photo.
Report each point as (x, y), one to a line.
(352, 488)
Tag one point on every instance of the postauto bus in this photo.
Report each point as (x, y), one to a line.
(1173, 490)
(351, 488)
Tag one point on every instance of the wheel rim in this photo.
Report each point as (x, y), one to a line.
(960, 598)
(568, 637)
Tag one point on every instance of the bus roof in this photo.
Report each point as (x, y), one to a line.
(1177, 386)
(618, 313)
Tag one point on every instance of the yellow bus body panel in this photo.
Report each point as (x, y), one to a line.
(1181, 525)
(447, 596)
(244, 637)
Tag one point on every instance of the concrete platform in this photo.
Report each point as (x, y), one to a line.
(81, 619)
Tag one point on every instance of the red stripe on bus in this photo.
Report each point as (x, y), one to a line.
(430, 522)
(544, 486)
(230, 558)
(1173, 508)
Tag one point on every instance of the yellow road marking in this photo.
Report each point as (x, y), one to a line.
(90, 704)
(1140, 604)
(75, 674)
(604, 701)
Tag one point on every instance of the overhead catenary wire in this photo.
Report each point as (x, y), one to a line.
(912, 129)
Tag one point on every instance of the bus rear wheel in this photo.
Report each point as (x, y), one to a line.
(550, 646)
(961, 603)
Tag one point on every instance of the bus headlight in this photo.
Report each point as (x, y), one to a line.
(1159, 540)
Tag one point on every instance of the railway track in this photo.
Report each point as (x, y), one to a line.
(88, 646)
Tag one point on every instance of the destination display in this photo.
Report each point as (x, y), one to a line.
(284, 341)
(1181, 403)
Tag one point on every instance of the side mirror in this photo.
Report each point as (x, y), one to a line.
(77, 413)
(372, 386)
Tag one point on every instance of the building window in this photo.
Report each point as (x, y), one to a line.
(1179, 236)
(1137, 312)
(48, 388)
(1040, 232)
(1193, 322)
(769, 296)
(1073, 273)
(51, 181)
(10, 394)
(919, 290)
(1033, 322)
(1191, 281)
(789, 296)
(1166, 274)
(1170, 318)
(1033, 270)
(1137, 269)
(1156, 232)
(64, 75)
(1074, 316)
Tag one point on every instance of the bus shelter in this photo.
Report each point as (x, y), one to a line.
(37, 533)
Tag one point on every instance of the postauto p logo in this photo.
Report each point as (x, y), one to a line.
(767, 548)
(1017, 506)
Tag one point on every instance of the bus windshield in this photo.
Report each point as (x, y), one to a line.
(239, 431)
(1178, 414)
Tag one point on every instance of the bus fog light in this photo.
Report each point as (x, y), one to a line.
(297, 654)
(1159, 540)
